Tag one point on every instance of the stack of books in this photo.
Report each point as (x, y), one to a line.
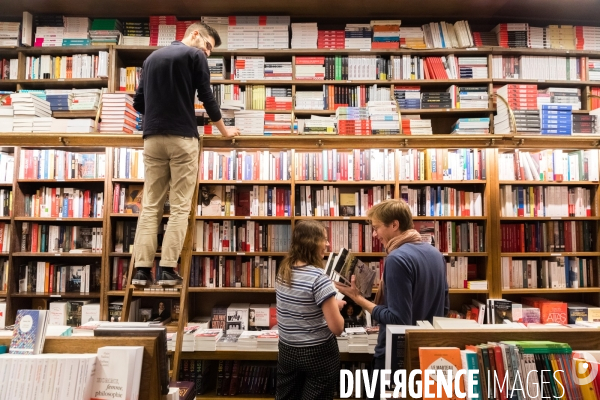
(358, 36)
(522, 99)
(384, 117)
(136, 33)
(331, 39)
(353, 121)
(556, 119)
(9, 33)
(408, 97)
(538, 38)
(412, 38)
(250, 122)
(6, 118)
(76, 31)
(106, 31)
(118, 114)
(249, 67)
(304, 35)
(431, 100)
(273, 32)
(386, 34)
(414, 125)
(471, 126)
(59, 99)
(471, 97)
(27, 107)
(587, 38)
(163, 29)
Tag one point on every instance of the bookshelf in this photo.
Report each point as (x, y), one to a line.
(487, 261)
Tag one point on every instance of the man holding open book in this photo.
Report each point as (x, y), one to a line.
(414, 285)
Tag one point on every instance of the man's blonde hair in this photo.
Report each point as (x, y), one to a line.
(392, 210)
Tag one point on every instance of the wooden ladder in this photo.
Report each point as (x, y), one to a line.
(186, 262)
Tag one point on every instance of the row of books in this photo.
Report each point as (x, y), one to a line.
(431, 201)
(67, 67)
(247, 236)
(43, 238)
(61, 165)
(330, 202)
(554, 273)
(545, 201)
(221, 271)
(547, 236)
(549, 165)
(258, 200)
(246, 165)
(50, 277)
(63, 202)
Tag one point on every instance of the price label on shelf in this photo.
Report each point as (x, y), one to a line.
(541, 80)
(556, 254)
(238, 181)
(445, 254)
(57, 255)
(61, 79)
(555, 217)
(365, 49)
(241, 254)
(60, 180)
(472, 49)
(349, 81)
(243, 81)
(346, 217)
(247, 217)
(447, 109)
(55, 295)
(59, 219)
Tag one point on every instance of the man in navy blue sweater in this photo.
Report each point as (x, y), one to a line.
(171, 77)
(414, 285)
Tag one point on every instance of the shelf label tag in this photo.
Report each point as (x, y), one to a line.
(556, 254)
(55, 295)
(57, 254)
(555, 217)
(241, 254)
(346, 217)
(472, 49)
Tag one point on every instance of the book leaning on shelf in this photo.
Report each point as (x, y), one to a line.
(29, 332)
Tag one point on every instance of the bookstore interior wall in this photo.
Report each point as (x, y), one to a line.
(487, 126)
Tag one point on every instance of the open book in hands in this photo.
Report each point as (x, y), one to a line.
(342, 265)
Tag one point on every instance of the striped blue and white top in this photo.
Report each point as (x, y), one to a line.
(300, 319)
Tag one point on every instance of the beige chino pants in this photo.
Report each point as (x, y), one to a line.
(170, 163)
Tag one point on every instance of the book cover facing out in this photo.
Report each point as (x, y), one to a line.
(25, 332)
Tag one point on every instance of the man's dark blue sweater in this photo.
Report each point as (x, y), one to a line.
(165, 95)
(415, 288)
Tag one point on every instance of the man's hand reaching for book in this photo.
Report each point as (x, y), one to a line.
(349, 290)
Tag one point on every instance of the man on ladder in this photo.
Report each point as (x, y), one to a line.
(165, 96)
